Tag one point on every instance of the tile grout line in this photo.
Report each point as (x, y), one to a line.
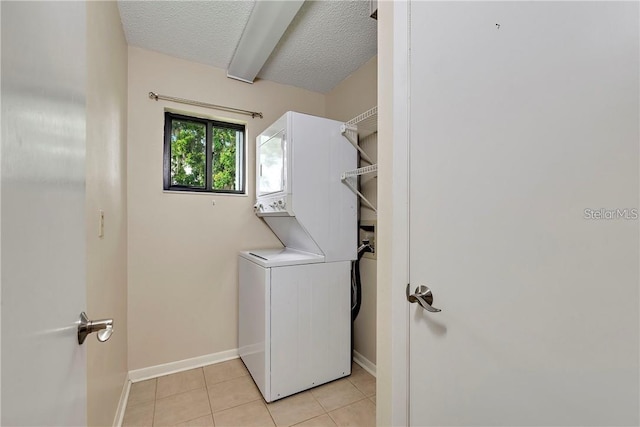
(332, 419)
(316, 416)
(240, 404)
(260, 397)
(318, 402)
(155, 399)
(245, 403)
(196, 388)
(153, 416)
(227, 380)
(206, 388)
(321, 405)
(182, 392)
(235, 406)
(356, 386)
(306, 419)
(133, 405)
(350, 403)
(266, 405)
(342, 407)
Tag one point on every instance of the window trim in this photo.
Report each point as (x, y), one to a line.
(210, 124)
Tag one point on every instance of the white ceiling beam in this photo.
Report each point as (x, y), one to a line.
(265, 27)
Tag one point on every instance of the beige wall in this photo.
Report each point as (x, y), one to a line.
(183, 285)
(354, 95)
(385, 174)
(106, 191)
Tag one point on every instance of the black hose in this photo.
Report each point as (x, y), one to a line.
(356, 289)
(356, 283)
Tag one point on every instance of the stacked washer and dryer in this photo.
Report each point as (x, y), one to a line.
(295, 302)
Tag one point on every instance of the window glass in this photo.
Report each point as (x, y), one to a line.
(203, 155)
(188, 153)
(225, 159)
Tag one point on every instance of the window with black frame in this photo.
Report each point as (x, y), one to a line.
(203, 155)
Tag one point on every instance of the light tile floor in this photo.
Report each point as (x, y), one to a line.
(225, 395)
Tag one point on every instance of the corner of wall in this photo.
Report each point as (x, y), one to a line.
(385, 158)
(106, 192)
(351, 97)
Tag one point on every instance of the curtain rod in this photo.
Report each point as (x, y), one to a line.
(253, 114)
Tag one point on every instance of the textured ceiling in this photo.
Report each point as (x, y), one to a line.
(201, 31)
(327, 40)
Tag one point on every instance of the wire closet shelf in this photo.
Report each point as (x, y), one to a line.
(355, 130)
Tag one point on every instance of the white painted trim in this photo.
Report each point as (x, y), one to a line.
(365, 363)
(122, 405)
(400, 364)
(181, 365)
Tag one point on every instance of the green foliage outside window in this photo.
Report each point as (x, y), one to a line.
(189, 143)
(224, 159)
(188, 155)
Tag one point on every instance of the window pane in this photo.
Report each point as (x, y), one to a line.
(188, 153)
(226, 159)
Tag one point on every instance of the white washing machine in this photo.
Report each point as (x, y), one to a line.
(295, 302)
(294, 320)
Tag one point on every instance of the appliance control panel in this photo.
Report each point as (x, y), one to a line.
(273, 206)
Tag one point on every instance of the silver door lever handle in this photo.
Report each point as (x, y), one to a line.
(103, 327)
(422, 296)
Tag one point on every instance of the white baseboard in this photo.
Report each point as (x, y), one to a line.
(181, 365)
(122, 405)
(366, 364)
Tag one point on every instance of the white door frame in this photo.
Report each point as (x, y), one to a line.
(400, 368)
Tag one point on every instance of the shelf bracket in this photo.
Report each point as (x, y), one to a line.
(361, 126)
(359, 194)
(349, 177)
(351, 133)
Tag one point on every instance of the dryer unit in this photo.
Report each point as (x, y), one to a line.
(300, 159)
(295, 302)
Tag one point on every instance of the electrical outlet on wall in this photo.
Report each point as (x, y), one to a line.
(367, 231)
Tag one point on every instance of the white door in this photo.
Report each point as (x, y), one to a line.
(43, 223)
(523, 221)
